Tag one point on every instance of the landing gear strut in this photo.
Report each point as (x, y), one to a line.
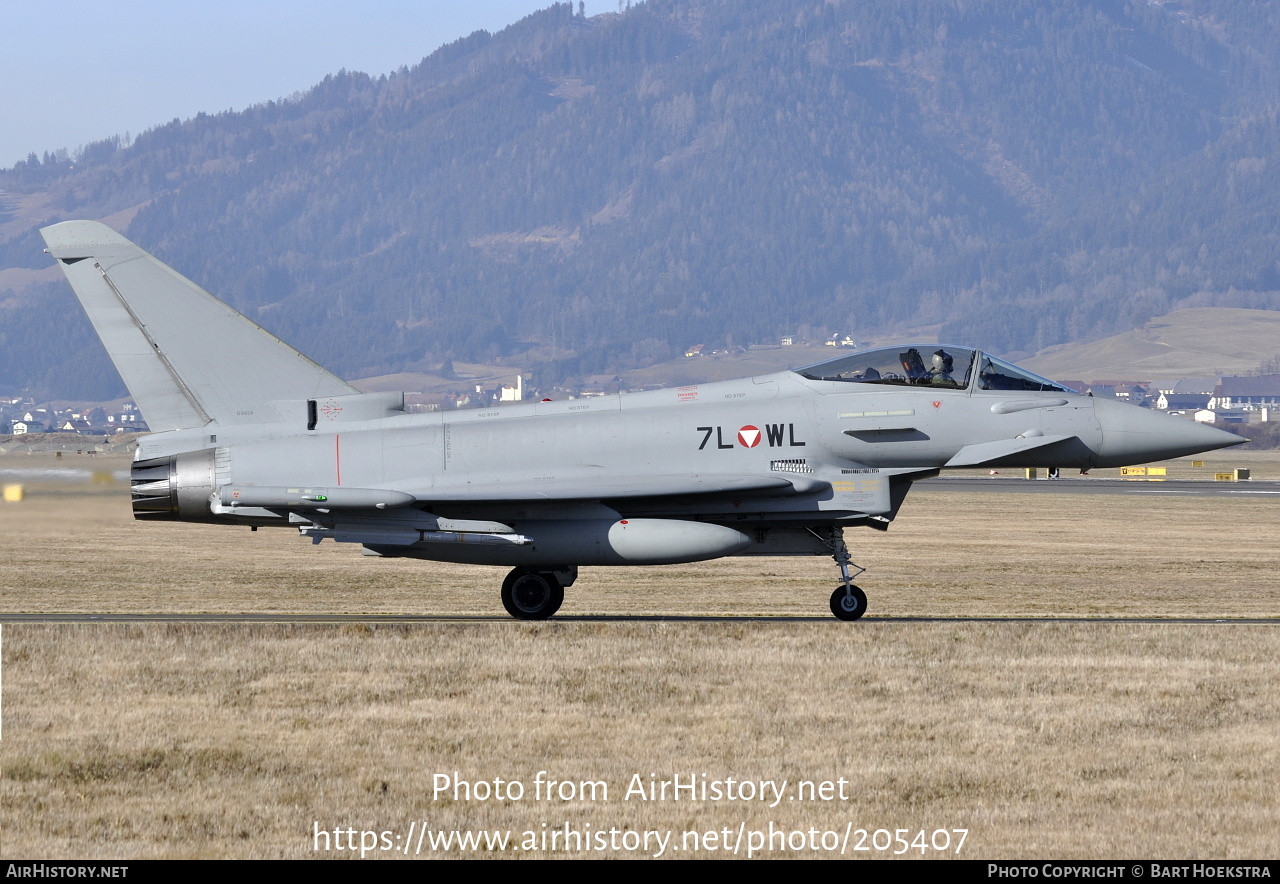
(535, 595)
(848, 602)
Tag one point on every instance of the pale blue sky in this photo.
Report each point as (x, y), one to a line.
(77, 71)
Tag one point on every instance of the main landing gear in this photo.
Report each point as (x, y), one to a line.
(848, 602)
(535, 595)
(528, 594)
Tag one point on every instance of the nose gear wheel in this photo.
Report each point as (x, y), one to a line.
(848, 602)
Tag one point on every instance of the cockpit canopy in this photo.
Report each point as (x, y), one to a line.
(929, 365)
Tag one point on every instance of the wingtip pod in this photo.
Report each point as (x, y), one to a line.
(187, 358)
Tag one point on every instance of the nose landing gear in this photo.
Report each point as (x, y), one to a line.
(848, 602)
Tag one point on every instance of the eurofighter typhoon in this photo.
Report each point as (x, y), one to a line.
(247, 431)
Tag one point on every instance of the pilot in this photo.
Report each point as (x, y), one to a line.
(940, 373)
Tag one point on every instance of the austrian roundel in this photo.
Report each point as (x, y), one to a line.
(749, 436)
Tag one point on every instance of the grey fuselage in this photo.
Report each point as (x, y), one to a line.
(774, 455)
(251, 432)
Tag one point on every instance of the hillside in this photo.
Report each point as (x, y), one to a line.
(1201, 342)
(595, 195)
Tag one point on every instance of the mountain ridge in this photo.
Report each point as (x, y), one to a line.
(596, 195)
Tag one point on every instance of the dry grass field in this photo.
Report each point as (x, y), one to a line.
(1042, 739)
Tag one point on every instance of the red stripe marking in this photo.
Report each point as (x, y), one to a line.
(337, 457)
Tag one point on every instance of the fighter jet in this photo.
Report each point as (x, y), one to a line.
(247, 431)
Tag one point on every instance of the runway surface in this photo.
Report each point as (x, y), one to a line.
(409, 619)
(1078, 485)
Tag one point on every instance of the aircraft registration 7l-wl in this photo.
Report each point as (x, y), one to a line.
(248, 431)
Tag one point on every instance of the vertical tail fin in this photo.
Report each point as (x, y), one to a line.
(187, 358)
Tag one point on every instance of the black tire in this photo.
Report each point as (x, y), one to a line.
(528, 595)
(848, 606)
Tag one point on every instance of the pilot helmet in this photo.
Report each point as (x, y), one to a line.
(942, 362)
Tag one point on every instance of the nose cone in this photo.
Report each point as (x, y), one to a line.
(1132, 435)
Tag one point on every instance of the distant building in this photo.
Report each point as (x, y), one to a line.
(1197, 386)
(1222, 416)
(513, 394)
(1188, 394)
(1247, 392)
(1120, 382)
(1135, 394)
(1182, 401)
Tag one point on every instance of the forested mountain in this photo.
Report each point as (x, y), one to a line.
(587, 195)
